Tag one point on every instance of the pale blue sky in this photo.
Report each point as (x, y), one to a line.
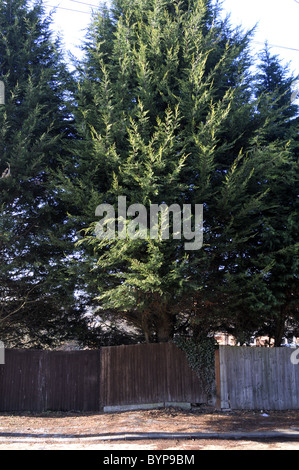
(277, 20)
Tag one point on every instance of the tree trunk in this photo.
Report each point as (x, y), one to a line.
(280, 328)
(164, 328)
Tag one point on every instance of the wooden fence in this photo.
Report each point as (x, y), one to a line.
(257, 378)
(246, 378)
(148, 373)
(34, 380)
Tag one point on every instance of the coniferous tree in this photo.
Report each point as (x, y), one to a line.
(278, 237)
(37, 302)
(161, 90)
(273, 88)
(166, 113)
(262, 295)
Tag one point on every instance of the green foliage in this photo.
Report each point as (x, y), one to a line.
(273, 88)
(154, 119)
(36, 291)
(164, 109)
(168, 111)
(200, 353)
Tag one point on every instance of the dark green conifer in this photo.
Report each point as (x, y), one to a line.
(163, 115)
(36, 293)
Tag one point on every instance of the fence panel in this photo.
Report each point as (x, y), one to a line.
(147, 373)
(22, 386)
(45, 380)
(72, 380)
(33, 380)
(258, 378)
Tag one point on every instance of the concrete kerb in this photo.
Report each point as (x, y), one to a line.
(140, 436)
(241, 436)
(148, 406)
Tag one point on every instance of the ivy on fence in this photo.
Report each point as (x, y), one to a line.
(201, 358)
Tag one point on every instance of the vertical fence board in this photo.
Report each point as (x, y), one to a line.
(224, 392)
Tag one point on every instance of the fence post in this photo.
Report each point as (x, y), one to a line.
(2, 353)
(217, 378)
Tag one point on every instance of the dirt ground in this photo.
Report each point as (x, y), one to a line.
(90, 431)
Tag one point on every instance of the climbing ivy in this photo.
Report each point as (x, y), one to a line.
(201, 358)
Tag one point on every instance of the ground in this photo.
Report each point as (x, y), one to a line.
(110, 431)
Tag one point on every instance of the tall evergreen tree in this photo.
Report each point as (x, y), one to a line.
(262, 293)
(273, 88)
(278, 237)
(37, 302)
(159, 94)
(165, 112)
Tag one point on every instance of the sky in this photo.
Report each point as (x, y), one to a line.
(277, 22)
